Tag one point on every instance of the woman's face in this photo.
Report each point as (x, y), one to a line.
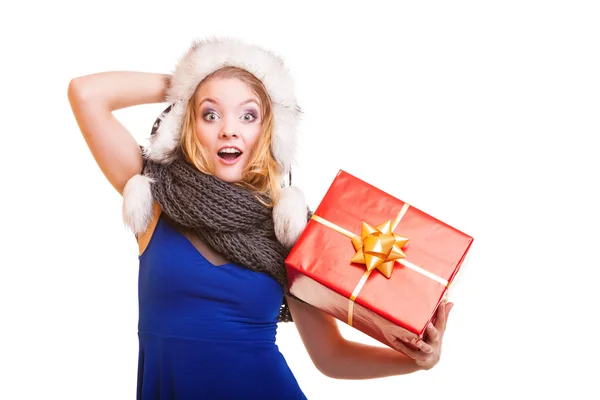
(228, 125)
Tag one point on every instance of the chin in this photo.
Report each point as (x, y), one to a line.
(228, 176)
(229, 173)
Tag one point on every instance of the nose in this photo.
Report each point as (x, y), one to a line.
(226, 133)
(229, 128)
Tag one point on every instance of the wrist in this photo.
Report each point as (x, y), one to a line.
(166, 81)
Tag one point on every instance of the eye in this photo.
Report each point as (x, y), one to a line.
(249, 116)
(210, 116)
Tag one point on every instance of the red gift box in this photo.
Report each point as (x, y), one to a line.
(357, 236)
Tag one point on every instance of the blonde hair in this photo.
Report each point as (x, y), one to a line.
(261, 175)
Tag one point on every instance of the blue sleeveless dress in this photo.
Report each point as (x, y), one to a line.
(206, 331)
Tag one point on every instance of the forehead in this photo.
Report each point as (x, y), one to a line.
(227, 91)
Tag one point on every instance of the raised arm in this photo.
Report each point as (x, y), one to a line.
(93, 99)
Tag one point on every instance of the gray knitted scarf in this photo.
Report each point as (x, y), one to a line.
(228, 218)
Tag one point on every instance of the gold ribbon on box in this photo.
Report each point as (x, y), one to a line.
(378, 248)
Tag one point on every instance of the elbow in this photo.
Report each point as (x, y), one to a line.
(326, 362)
(84, 90)
(330, 371)
(323, 367)
(76, 91)
(84, 99)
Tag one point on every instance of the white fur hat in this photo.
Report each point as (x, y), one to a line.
(203, 58)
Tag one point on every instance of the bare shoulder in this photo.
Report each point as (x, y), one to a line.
(144, 238)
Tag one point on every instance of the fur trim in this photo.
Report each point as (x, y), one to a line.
(207, 56)
(137, 203)
(290, 215)
(165, 134)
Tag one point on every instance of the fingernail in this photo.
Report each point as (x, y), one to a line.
(430, 325)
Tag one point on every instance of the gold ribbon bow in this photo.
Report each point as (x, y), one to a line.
(378, 248)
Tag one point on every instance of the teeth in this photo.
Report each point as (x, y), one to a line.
(229, 150)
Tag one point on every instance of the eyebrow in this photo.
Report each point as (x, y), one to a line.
(214, 101)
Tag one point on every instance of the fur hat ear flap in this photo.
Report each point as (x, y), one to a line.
(290, 215)
(137, 203)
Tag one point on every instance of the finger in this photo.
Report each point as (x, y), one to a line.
(440, 323)
(448, 308)
(432, 333)
(424, 347)
(416, 342)
(416, 355)
(446, 312)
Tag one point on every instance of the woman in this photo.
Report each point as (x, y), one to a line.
(214, 227)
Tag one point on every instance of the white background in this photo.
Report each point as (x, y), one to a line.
(484, 114)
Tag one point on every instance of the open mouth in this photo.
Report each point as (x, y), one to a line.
(229, 154)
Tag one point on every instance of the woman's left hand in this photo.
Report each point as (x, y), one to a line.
(430, 350)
